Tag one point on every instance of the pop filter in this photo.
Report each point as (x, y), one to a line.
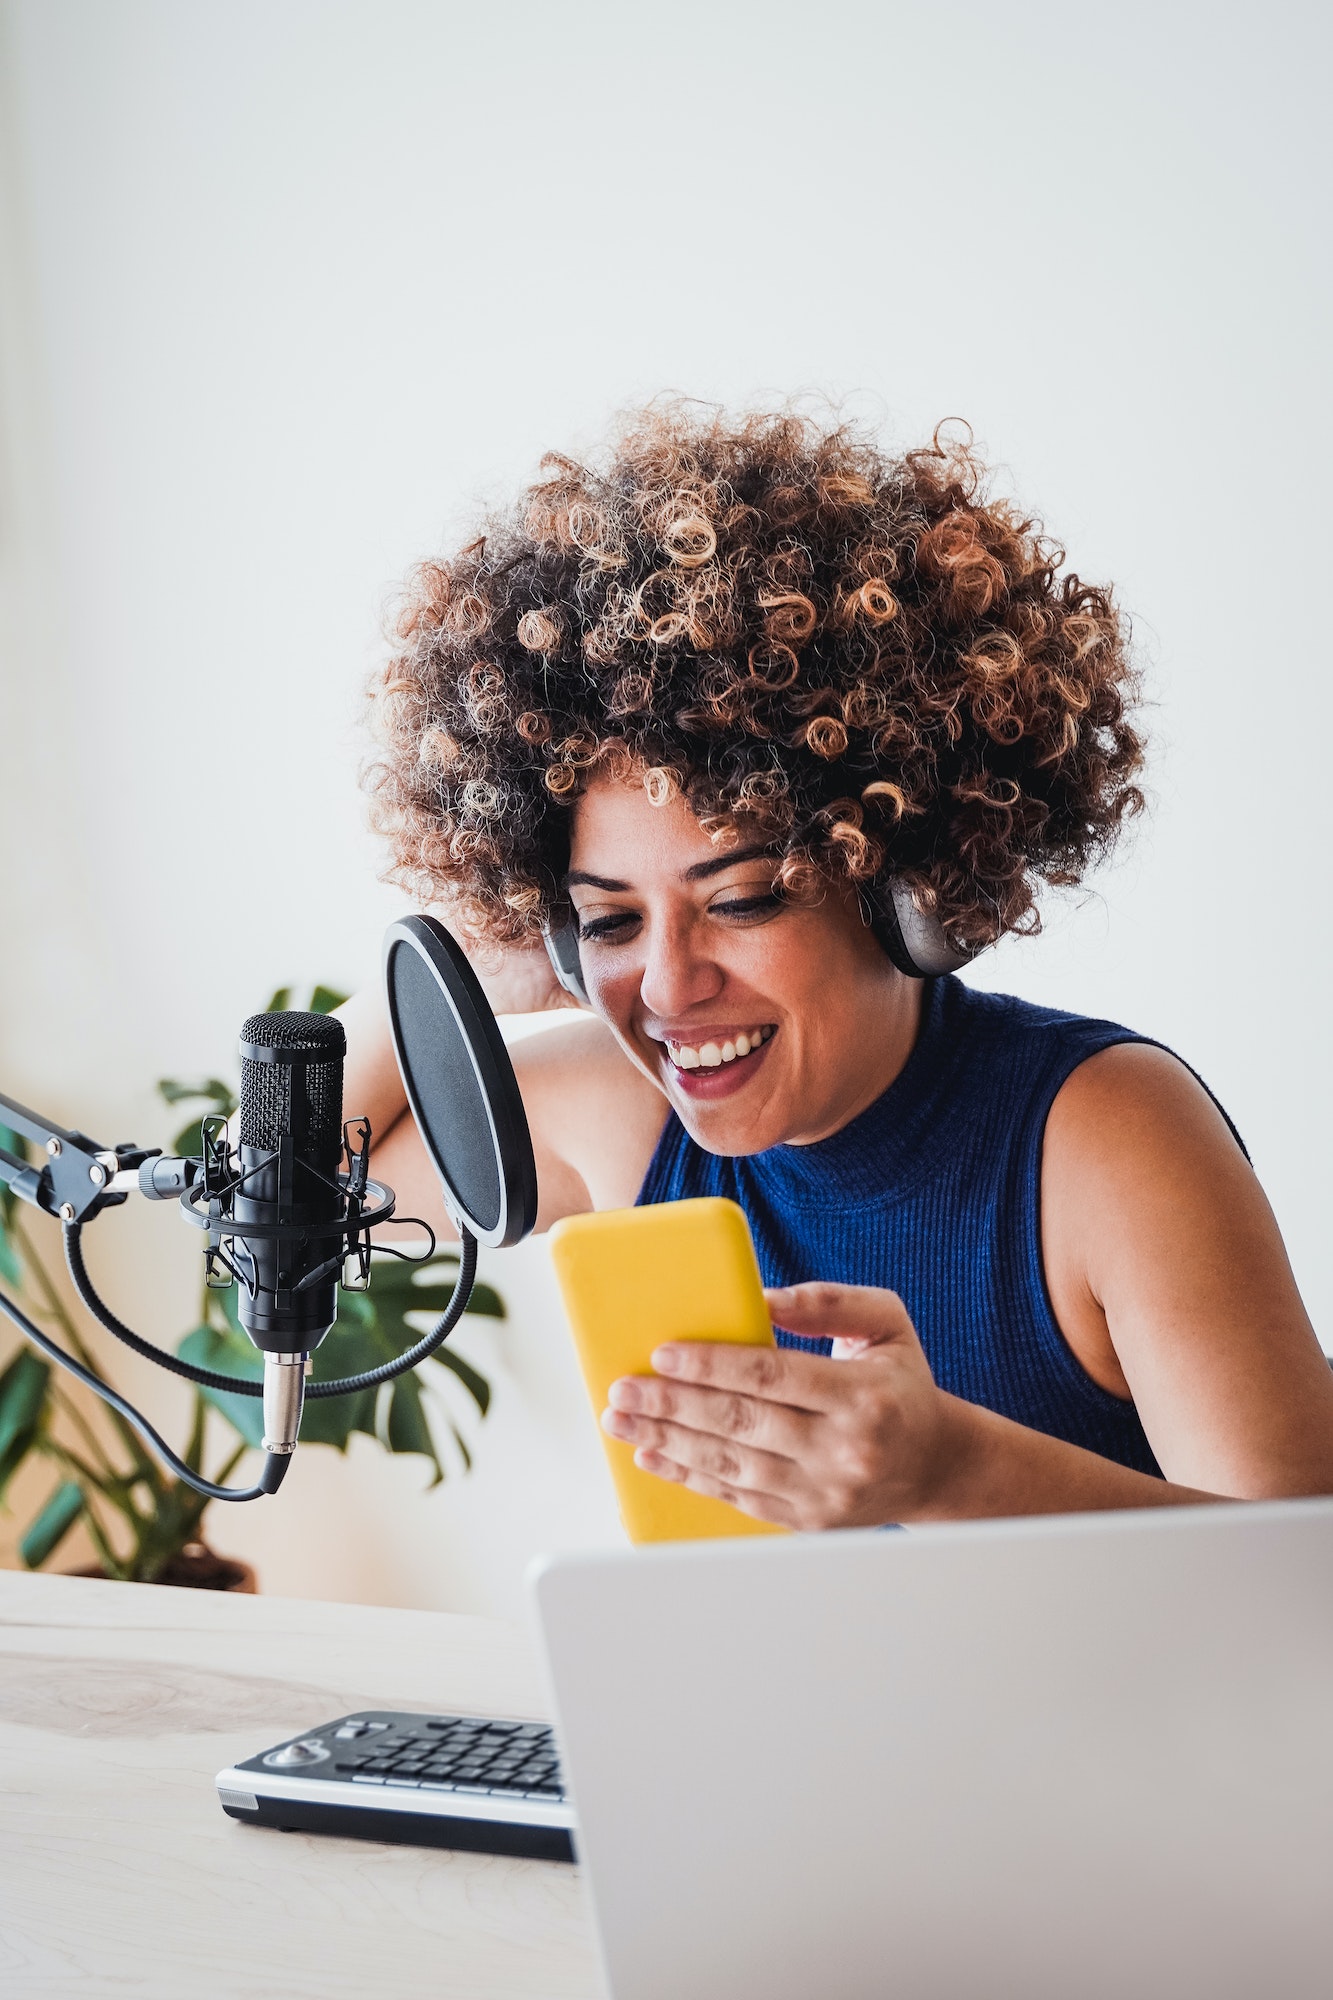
(460, 1082)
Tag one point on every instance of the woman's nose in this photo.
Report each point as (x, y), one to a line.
(677, 975)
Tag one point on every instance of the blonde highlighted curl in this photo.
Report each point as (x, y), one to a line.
(865, 659)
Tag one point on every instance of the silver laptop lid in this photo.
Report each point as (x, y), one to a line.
(1053, 1760)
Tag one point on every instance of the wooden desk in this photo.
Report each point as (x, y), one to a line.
(119, 1872)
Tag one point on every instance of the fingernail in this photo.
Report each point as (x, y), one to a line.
(666, 1360)
(617, 1425)
(648, 1460)
(624, 1394)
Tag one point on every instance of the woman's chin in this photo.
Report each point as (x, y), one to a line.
(729, 1108)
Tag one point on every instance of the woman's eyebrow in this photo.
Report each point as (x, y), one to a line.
(731, 860)
(578, 877)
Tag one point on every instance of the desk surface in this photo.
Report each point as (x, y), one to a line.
(119, 1872)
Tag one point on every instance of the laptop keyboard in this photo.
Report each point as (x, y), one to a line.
(455, 1753)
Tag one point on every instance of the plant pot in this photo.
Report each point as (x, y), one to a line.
(197, 1567)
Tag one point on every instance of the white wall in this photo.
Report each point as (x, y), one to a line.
(287, 286)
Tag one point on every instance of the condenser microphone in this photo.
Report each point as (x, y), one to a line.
(290, 1212)
(291, 1144)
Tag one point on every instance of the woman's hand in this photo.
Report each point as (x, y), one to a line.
(859, 1439)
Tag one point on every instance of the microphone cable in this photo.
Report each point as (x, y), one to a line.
(240, 1385)
(275, 1463)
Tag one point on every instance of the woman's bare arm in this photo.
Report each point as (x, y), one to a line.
(594, 1119)
(1170, 1281)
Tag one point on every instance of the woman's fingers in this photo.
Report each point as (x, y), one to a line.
(773, 1507)
(727, 1413)
(860, 1315)
(773, 1374)
(674, 1450)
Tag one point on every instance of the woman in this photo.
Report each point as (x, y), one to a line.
(714, 698)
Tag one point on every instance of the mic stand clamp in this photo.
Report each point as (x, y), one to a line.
(78, 1178)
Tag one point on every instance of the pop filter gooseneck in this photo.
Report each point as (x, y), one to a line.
(460, 1083)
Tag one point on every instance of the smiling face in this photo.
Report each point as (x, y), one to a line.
(763, 1020)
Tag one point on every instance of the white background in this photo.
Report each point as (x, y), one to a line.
(289, 289)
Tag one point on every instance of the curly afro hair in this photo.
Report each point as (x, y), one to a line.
(863, 657)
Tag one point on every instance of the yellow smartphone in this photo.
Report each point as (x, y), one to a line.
(634, 1277)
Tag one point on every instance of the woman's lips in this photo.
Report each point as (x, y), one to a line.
(724, 1081)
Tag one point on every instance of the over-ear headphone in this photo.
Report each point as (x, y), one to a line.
(914, 941)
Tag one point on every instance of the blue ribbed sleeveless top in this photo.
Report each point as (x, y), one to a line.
(934, 1191)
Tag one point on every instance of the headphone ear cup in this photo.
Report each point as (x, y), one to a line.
(562, 948)
(915, 942)
(881, 914)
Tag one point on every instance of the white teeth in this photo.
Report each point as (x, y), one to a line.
(711, 1055)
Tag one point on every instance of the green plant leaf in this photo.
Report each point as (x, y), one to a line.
(11, 1270)
(428, 1287)
(408, 1428)
(228, 1354)
(54, 1522)
(280, 1001)
(177, 1090)
(356, 1342)
(324, 1000)
(226, 1299)
(395, 1301)
(23, 1388)
(218, 1096)
(473, 1381)
(188, 1143)
(428, 1299)
(395, 1274)
(484, 1302)
(11, 1264)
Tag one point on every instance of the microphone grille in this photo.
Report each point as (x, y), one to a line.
(320, 1034)
(298, 1091)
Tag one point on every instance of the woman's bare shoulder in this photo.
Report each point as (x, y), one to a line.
(590, 1109)
(1141, 1173)
(1134, 1112)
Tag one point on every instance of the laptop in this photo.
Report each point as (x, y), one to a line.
(1067, 1759)
(1075, 1758)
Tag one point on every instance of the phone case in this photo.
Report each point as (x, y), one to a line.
(634, 1277)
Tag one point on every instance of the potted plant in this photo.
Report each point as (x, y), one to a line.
(145, 1525)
